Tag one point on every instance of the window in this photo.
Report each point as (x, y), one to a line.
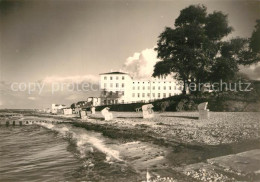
(133, 95)
(105, 78)
(170, 87)
(111, 85)
(170, 94)
(123, 85)
(153, 87)
(164, 87)
(116, 92)
(123, 77)
(111, 78)
(116, 85)
(111, 92)
(148, 88)
(105, 85)
(158, 88)
(123, 101)
(138, 88)
(138, 95)
(159, 95)
(164, 95)
(123, 93)
(148, 94)
(117, 78)
(133, 88)
(143, 87)
(143, 95)
(153, 94)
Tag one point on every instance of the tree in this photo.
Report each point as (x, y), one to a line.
(195, 51)
(255, 38)
(73, 106)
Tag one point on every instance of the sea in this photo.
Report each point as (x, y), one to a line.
(47, 152)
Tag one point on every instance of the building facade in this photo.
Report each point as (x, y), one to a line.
(119, 88)
(56, 108)
(94, 101)
(67, 111)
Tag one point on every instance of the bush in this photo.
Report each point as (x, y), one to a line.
(186, 105)
(163, 105)
(218, 101)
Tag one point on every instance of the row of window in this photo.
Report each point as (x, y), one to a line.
(112, 102)
(117, 78)
(148, 88)
(116, 85)
(117, 93)
(149, 82)
(148, 95)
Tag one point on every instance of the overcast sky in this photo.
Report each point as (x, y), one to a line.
(46, 39)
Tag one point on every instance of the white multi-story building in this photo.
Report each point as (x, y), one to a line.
(56, 107)
(119, 87)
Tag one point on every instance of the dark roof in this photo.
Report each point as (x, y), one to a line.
(116, 72)
(60, 105)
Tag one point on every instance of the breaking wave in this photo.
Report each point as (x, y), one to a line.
(84, 142)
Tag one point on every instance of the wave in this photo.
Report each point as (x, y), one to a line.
(83, 141)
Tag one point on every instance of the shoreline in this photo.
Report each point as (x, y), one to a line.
(193, 135)
(182, 156)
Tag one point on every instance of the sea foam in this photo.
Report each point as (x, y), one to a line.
(83, 141)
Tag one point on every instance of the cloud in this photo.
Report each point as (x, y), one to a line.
(141, 64)
(42, 96)
(252, 71)
(13, 99)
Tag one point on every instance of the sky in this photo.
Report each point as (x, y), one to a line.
(48, 41)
